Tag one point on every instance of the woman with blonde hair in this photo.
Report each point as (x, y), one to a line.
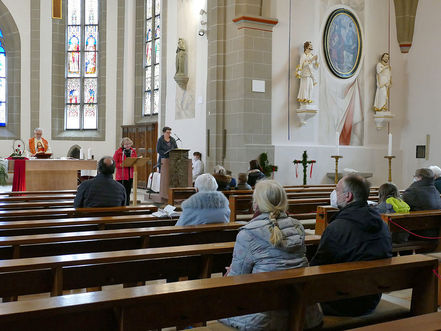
(271, 241)
(124, 175)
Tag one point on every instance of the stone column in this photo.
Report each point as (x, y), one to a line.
(239, 51)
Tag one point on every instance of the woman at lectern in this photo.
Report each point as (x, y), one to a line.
(165, 144)
(124, 175)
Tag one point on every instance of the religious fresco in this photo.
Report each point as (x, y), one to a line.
(342, 43)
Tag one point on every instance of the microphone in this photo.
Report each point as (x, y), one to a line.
(177, 138)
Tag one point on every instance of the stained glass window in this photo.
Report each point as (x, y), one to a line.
(152, 57)
(2, 82)
(82, 40)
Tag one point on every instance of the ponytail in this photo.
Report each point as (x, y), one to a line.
(276, 237)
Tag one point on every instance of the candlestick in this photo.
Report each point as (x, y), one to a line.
(389, 146)
(336, 157)
(390, 157)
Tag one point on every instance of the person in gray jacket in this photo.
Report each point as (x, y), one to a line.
(206, 206)
(271, 241)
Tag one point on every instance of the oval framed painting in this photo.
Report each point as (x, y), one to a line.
(342, 43)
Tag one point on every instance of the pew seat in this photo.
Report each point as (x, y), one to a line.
(148, 307)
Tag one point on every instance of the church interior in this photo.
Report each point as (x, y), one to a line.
(322, 88)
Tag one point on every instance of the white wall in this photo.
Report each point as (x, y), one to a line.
(421, 81)
(291, 139)
(192, 131)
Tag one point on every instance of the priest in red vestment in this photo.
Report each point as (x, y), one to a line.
(38, 144)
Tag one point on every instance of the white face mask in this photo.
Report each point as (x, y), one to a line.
(333, 198)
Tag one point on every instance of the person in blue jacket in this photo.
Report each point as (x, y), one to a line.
(207, 205)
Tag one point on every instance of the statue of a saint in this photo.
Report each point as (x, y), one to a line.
(304, 72)
(384, 82)
(181, 55)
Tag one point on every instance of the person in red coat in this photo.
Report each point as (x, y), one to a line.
(124, 175)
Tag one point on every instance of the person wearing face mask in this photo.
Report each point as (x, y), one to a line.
(423, 195)
(355, 233)
(198, 165)
(124, 175)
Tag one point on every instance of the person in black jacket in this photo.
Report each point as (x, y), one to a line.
(423, 195)
(355, 233)
(103, 190)
(165, 144)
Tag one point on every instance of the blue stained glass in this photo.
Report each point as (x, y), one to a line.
(158, 27)
(2, 114)
(1, 34)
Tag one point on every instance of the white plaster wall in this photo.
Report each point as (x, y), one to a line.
(192, 131)
(421, 96)
(307, 19)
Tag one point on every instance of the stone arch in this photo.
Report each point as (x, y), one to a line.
(12, 45)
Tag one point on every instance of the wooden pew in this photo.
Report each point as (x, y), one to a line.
(110, 267)
(60, 225)
(45, 197)
(76, 271)
(145, 308)
(178, 194)
(121, 239)
(30, 193)
(36, 205)
(426, 322)
(73, 212)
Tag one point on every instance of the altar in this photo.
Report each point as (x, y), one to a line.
(48, 175)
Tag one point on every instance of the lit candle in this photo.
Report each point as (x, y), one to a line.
(389, 146)
(337, 142)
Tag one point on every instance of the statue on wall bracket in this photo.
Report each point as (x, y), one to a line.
(181, 76)
(384, 81)
(305, 72)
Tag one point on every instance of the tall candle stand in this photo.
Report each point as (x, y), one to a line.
(389, 158)
(336, 157)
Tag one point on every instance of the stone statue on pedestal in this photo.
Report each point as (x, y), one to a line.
(181, 76)
(384, 82)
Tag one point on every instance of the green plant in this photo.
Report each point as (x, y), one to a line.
(3, 174)
(267, 168)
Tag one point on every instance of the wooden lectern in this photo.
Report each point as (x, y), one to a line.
(135, 162)
(175, 171)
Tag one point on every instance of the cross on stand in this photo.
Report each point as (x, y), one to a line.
(304, 162)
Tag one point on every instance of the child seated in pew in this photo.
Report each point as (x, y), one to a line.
(389, 202)
(271, 241)
(206, 206)
(243, 185)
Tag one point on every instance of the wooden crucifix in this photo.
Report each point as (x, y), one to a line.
(304, 162)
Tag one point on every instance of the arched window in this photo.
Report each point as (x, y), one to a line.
(152, 57)
(81, 92)
(2, 82)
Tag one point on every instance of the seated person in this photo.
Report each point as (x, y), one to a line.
(355, 233)
(38, 144)
(197, 166)
(206, 206)
(243, 185)
(423, 195)
(389, 202)
(103, 190)
(437, 176)
(255, 173)
(233, 182)
(272, 241)
(222, 179)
